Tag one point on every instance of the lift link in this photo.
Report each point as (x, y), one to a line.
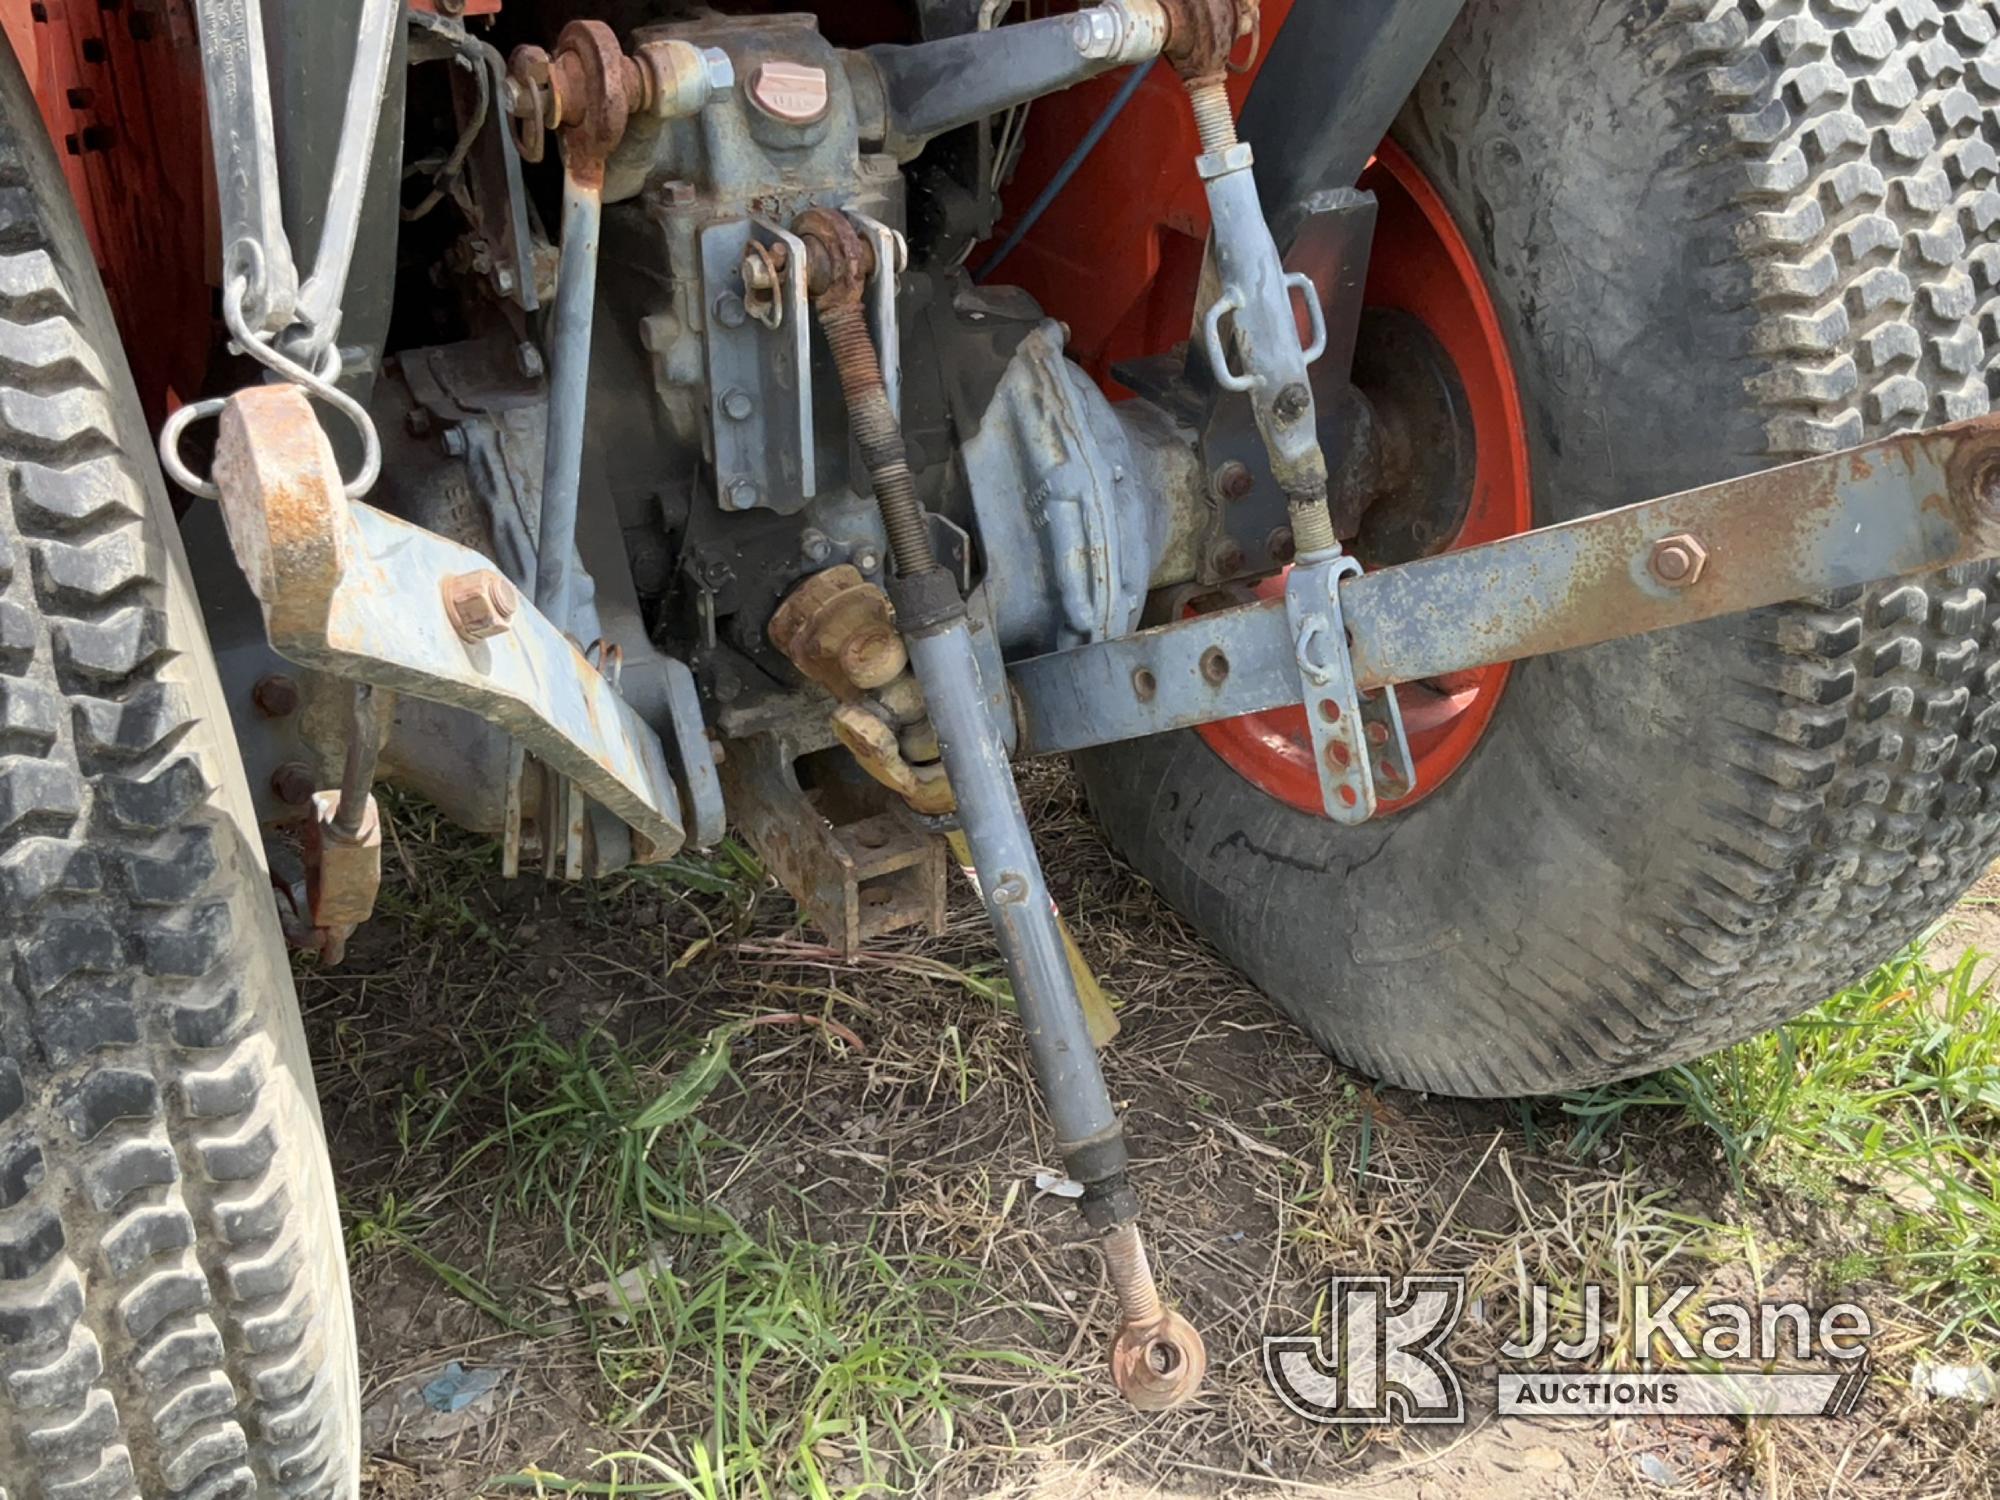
(1157, 1358)
(1358, 739)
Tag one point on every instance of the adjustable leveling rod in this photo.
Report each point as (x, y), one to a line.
(1157, 1358)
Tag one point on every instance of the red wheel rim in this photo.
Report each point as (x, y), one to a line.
(1420, 266)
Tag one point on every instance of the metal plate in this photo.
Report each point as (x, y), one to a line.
(1906, 505)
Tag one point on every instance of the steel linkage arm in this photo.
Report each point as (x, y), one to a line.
(1908, 504)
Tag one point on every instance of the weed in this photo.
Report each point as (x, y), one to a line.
(1885, 1100)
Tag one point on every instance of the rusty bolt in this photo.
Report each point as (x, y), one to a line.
(1233, 481)
(275, 695)
(1225, 558)
(293, 783)
(479, 604)
(1281, 545)
(1292, 402)
(1677, 560)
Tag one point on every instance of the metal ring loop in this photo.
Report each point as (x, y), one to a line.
(170, 446)
(1218, 357)
(315, 383)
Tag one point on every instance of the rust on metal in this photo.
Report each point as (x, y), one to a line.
(1200, 34)
(343, 871)
(275, 695)
(1904, 505)
(480, 604)
(282, 498)
(1158, 1360)
(353, 592)
(1677, 560)
(853, 859)
(838, 260)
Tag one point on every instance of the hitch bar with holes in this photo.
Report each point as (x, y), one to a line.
(1907, 504)
(351, 591)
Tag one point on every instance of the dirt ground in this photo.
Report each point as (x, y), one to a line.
(1264, 1166)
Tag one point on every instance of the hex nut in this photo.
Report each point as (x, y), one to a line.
(1677, 560)
(479, 604)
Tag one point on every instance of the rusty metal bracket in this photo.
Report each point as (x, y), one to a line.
(1357, 738)
(855, 876)
(1907, 504)
(351, 591)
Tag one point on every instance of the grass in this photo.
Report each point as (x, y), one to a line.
(805, 1368)
(1882, 1103)
(728, 1262)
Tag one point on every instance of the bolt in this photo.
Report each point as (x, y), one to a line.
(479, 604)
(737, 406)
(275, 696)
(674, 194)
(1281, 545)
(1292, 402)
(1232, 481)
(1011, 889)
(867, 559)
(1677, 560)
(1225, 558)
(454, 441)
(528, 360)
(757, 273)
(743, 494)
(814, 545)
(418, 423)
(292, 782)
(503, 280)
(729, 310)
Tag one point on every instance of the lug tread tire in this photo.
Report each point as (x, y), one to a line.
(173, 1313)
(1806, 786)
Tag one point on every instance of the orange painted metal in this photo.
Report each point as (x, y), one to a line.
(119, 88)
(1118, 253)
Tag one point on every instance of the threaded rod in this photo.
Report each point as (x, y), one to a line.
(1131, 1277)
(1214, 121)
(879, 436)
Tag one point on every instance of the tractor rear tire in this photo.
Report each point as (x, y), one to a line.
(174, 1314)
(1717, 235)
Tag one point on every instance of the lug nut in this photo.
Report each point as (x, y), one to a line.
(1677, 560)
(479, 604)
(275, 696)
